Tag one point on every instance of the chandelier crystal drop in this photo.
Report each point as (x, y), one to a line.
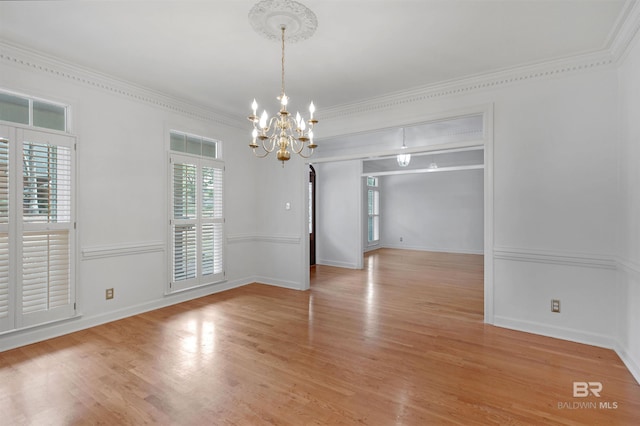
(282, 133)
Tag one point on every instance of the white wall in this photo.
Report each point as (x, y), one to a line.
(441, 211)
(122, 191)
(338, 222)
(282, 236)
(629, 213)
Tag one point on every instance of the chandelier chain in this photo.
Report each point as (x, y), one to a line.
(283, 28)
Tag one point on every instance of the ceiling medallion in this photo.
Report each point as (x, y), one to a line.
(269, 16)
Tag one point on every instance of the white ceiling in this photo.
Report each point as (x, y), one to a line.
(206, 53)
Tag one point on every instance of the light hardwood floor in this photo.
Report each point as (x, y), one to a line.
(400, 342)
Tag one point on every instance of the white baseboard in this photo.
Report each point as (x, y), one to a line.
(632, 365)
(433, 249)
(563, 333)
(336, 263)
(292, 285)
(82, 322)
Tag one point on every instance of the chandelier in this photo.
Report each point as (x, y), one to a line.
(282, 132)
(403, 159)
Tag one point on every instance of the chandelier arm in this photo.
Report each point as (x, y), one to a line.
(307, 156)
(260, 155)
(272, 145)
(295, 144)
(268, 128)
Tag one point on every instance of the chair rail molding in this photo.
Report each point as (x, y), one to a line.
(126, 249)
(587, 260)
(264, 238)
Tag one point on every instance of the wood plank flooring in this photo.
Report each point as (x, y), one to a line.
(401, 342)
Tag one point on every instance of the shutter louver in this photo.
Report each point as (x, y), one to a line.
(45, 270)
(184, 252)
(185, 239)
(4, 181)
(212, 214)
(217, 248)
(218, 212)
(212, 186)
(4, 228)
(4, 275)
(46, 183)
(208, 249)
(184, 191)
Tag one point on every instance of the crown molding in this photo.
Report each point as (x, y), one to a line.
(619, 42)
(492, 80)
(625, 30)
(23, 57)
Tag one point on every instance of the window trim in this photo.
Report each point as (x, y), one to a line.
(172, 286)
(374, 188)
(31, 100)
(16, 227)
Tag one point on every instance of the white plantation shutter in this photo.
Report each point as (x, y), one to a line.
(37, 232)
(184, 223)
(46, 183)
(45, 271)
(185, 253)
(46, 290)
(4, 183)
(213, 220)
(197, 221)
(184, 191)
(4, 277)
(5, 319)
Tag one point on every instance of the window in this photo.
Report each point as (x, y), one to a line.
(373, 211)
(37, 232)
(32, 112)
(192, 144)
(197, 213)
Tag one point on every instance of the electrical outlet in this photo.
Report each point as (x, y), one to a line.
(555, 305)
(401, 239)
(109, 294)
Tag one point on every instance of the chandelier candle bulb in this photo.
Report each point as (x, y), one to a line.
(263, 120)
(254, 135)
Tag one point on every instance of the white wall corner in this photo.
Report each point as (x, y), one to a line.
(563, 333)
(632, 364)
(625, 32)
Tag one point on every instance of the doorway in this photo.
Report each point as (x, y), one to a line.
(312, 216)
